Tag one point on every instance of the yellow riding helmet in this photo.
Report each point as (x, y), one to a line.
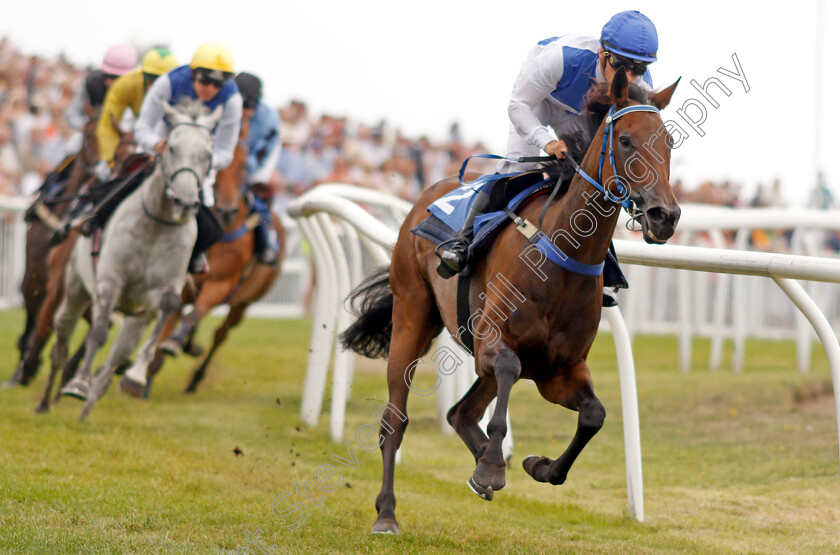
(158, 61)
(215, 56)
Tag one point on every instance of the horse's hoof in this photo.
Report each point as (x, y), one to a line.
(537, 467)
(124, 365)
(10, 384)
(489, 476)
(385, 526)
(132, 388)
(481, 491)
(170, 347)
(194, 350)
(76, 388)
(42, 408)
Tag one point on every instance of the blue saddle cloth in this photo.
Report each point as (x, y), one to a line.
(448, 213)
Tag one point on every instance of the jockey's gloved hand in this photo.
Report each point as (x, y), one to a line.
(103, 172)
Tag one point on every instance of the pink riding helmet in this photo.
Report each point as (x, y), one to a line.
(119, 59)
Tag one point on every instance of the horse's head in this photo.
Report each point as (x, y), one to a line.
(228, 186)
(639, 142)
(89, 154)
(186, 160)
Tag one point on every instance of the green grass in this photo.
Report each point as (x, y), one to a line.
(733, 463)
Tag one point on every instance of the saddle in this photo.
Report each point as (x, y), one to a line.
(448, 213)
(107, 196)
(507, 195)
(53, 186)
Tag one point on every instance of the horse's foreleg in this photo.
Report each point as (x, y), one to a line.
(233, 318)
(134, 380)
(127, 339)
(489, 474)
(574, 391)
(466, 413)
(103, 307)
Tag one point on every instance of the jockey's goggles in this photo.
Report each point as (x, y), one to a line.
(213, 78)
(617, 63)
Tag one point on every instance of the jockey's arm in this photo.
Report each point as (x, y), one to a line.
(119, 97)
(263, 147)
(226, 134)
(151, 114)
(523, 102)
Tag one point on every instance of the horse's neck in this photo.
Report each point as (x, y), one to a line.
(582, 222)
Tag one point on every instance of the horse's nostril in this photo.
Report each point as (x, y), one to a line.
(656, 215)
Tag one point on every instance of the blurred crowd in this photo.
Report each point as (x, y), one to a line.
(35, 137)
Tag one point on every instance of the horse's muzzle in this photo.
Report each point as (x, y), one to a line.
(659, 223)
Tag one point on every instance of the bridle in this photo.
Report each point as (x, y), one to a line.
(623, 198)
(169, 177)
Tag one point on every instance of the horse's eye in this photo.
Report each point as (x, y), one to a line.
(625, 142)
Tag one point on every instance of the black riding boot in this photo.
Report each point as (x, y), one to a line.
(209, 231)
(453, 254)
(265, 243)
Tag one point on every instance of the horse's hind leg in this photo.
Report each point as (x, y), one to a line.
(66, 317)
(414, 328)
(466, 413)
(44, 324)
(572, 390)
(489, 475)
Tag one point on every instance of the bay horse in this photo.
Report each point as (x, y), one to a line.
(44, 216)
(234, 276)
(142, 262)
(55, 263)
(534, 321)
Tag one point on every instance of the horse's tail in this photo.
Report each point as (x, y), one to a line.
(371, 303)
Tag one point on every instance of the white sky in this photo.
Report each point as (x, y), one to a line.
(422, 65)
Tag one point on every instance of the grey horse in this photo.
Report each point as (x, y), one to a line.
(142, 264)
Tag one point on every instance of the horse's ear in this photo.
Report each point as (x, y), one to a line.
(619, 88)
(663, 97)
(214, 117)
(169, 111)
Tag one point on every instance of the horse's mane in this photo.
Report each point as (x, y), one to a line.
(192, 107)
(597, 103)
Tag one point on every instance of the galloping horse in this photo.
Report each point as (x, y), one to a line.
(234, 276)
(535, 321)
(142, 263)
(44, 216)
(56, 262)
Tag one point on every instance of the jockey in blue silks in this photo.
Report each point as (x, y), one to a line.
(549, 92)
(263, 155)
(208, 78)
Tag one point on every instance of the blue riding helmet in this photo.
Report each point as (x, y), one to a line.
(631, 35)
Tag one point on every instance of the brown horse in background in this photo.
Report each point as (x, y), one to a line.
(44, 217)
(234, 277)
(533, 320)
